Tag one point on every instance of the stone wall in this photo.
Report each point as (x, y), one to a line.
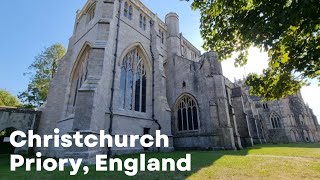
(204, 82)
(19, 119)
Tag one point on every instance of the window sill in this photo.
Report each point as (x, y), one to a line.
(190, 131)
(133, 114)
(69, 117)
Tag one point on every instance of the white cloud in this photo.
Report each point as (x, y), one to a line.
(311, 96)
(257, 61)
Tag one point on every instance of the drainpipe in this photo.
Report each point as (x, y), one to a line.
(152, 56)
(113, 77)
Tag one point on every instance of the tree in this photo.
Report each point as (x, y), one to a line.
(42, 69)
(289, 30)
(7, 99)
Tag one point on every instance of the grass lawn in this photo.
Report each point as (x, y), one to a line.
(286, 161)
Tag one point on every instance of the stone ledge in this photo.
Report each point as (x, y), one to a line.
(18, 110)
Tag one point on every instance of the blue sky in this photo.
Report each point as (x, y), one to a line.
(27, 26)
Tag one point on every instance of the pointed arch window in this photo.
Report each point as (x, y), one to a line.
(187, 114)
(162, 37)
(140, 21)
(91, 13)
(125, 11)
(265, 106)
(133, 82)
(130, 12)
(275, 121)
(144, 23)
(161, 34)
(78, 77)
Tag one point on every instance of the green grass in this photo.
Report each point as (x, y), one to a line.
(287, 161)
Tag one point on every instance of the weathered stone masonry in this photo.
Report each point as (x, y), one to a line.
(128, 72)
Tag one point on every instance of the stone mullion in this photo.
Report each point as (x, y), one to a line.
(184, 119)
(131, 88)
(192, 118)
(181, 115)
(133, 81)
(125, 85)
(187, 116)
(141, 80)
(134, 70)
(75, 96)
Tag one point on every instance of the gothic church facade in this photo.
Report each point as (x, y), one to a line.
(128, 72)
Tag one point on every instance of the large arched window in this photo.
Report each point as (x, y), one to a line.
(187, 114)
(275, 120)
(133, 82)
(78, 77)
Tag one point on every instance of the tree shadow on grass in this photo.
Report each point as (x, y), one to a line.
(294, 145)
(200, 160)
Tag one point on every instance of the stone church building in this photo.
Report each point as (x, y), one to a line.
(128, 72)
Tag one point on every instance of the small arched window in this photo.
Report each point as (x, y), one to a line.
(91, 13)
(140, 21)
(125, 11)
(162, 37)
(275, 120)
(130, 12)
(161, 34)
(133, 82)
(187, 114)
(144, 23)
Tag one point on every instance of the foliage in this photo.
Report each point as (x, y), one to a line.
(7, 99)
(289, 30)
(6, 132)
(42, 69)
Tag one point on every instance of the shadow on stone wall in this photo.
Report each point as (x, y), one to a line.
(12, 119)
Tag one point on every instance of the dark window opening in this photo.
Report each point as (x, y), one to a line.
(140, 21)
(183, 84)
(144, 23)
(130, 12)
(187, 115)
(275, 121)
(5, 145)
(125, 11)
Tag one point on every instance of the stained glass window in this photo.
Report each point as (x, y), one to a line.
(133, 82)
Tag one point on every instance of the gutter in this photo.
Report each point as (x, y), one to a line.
(153, 59)
(113, 76)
